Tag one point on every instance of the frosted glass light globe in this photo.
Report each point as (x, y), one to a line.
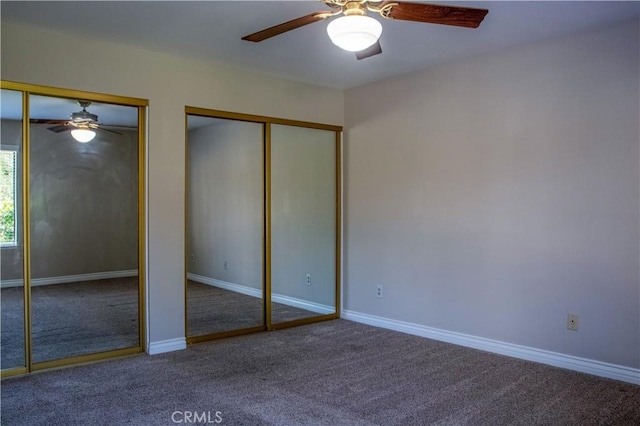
(355, 32)
(83, 135)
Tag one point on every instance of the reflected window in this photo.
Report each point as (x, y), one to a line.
(8, 216)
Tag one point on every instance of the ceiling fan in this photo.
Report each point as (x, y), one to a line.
(82, 124)
(357, 32)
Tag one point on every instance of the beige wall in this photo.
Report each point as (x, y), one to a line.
(494, 195)
(33, 56)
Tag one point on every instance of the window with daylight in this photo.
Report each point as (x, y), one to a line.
(8, 216)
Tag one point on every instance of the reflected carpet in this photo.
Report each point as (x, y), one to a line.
(213, 310)
(87, 317)
(70, 319)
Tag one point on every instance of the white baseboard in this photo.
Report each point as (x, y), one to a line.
(254, 292)
(584, 365)
(35, 282)
(163, 346)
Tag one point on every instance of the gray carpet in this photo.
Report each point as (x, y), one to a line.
(330, 373)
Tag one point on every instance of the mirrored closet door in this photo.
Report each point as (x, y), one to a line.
(304, 203)
(72, 227)
(83, 218)
(12, 294)
(225, 227)
(262, 223)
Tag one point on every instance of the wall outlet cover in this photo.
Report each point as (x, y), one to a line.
(572, 322)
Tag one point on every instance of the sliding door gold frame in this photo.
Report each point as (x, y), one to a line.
(186, 229)
(142, 226)
(267, 309)
(26, 229)
(81, 359)
(267, 225)
(338, 222)
(32, 89)
(204, 112)
(225, 334)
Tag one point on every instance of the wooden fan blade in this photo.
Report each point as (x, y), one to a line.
(58, 129)
(110, 131)
(373, 50)
(437, 14)
(118, 126)
(287, 26)
(46, 121)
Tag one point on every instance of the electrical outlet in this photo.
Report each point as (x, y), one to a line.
(572, 322)
(379, 291)
(225, 265)
(193, 258)
(308, 279)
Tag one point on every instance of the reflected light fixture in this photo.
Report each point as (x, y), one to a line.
(354, 32)
(83, 135)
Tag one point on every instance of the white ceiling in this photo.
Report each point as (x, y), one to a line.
(213, 30)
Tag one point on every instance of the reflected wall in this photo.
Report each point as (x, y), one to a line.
(303, 222)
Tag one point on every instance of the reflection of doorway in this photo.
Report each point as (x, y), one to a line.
(229, 238)
(73, 289)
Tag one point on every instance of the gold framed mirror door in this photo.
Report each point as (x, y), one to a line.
(304, 219)
(262, 195)
(12, 289)
(81, 231)
(224, 227)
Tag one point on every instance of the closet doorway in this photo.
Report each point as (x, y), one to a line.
(262, 223)
(72, 254)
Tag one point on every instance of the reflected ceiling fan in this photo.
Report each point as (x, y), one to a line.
(355, 31)
(82, 124)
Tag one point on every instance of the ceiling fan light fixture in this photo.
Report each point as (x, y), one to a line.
(354, 32)
(83, 135)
